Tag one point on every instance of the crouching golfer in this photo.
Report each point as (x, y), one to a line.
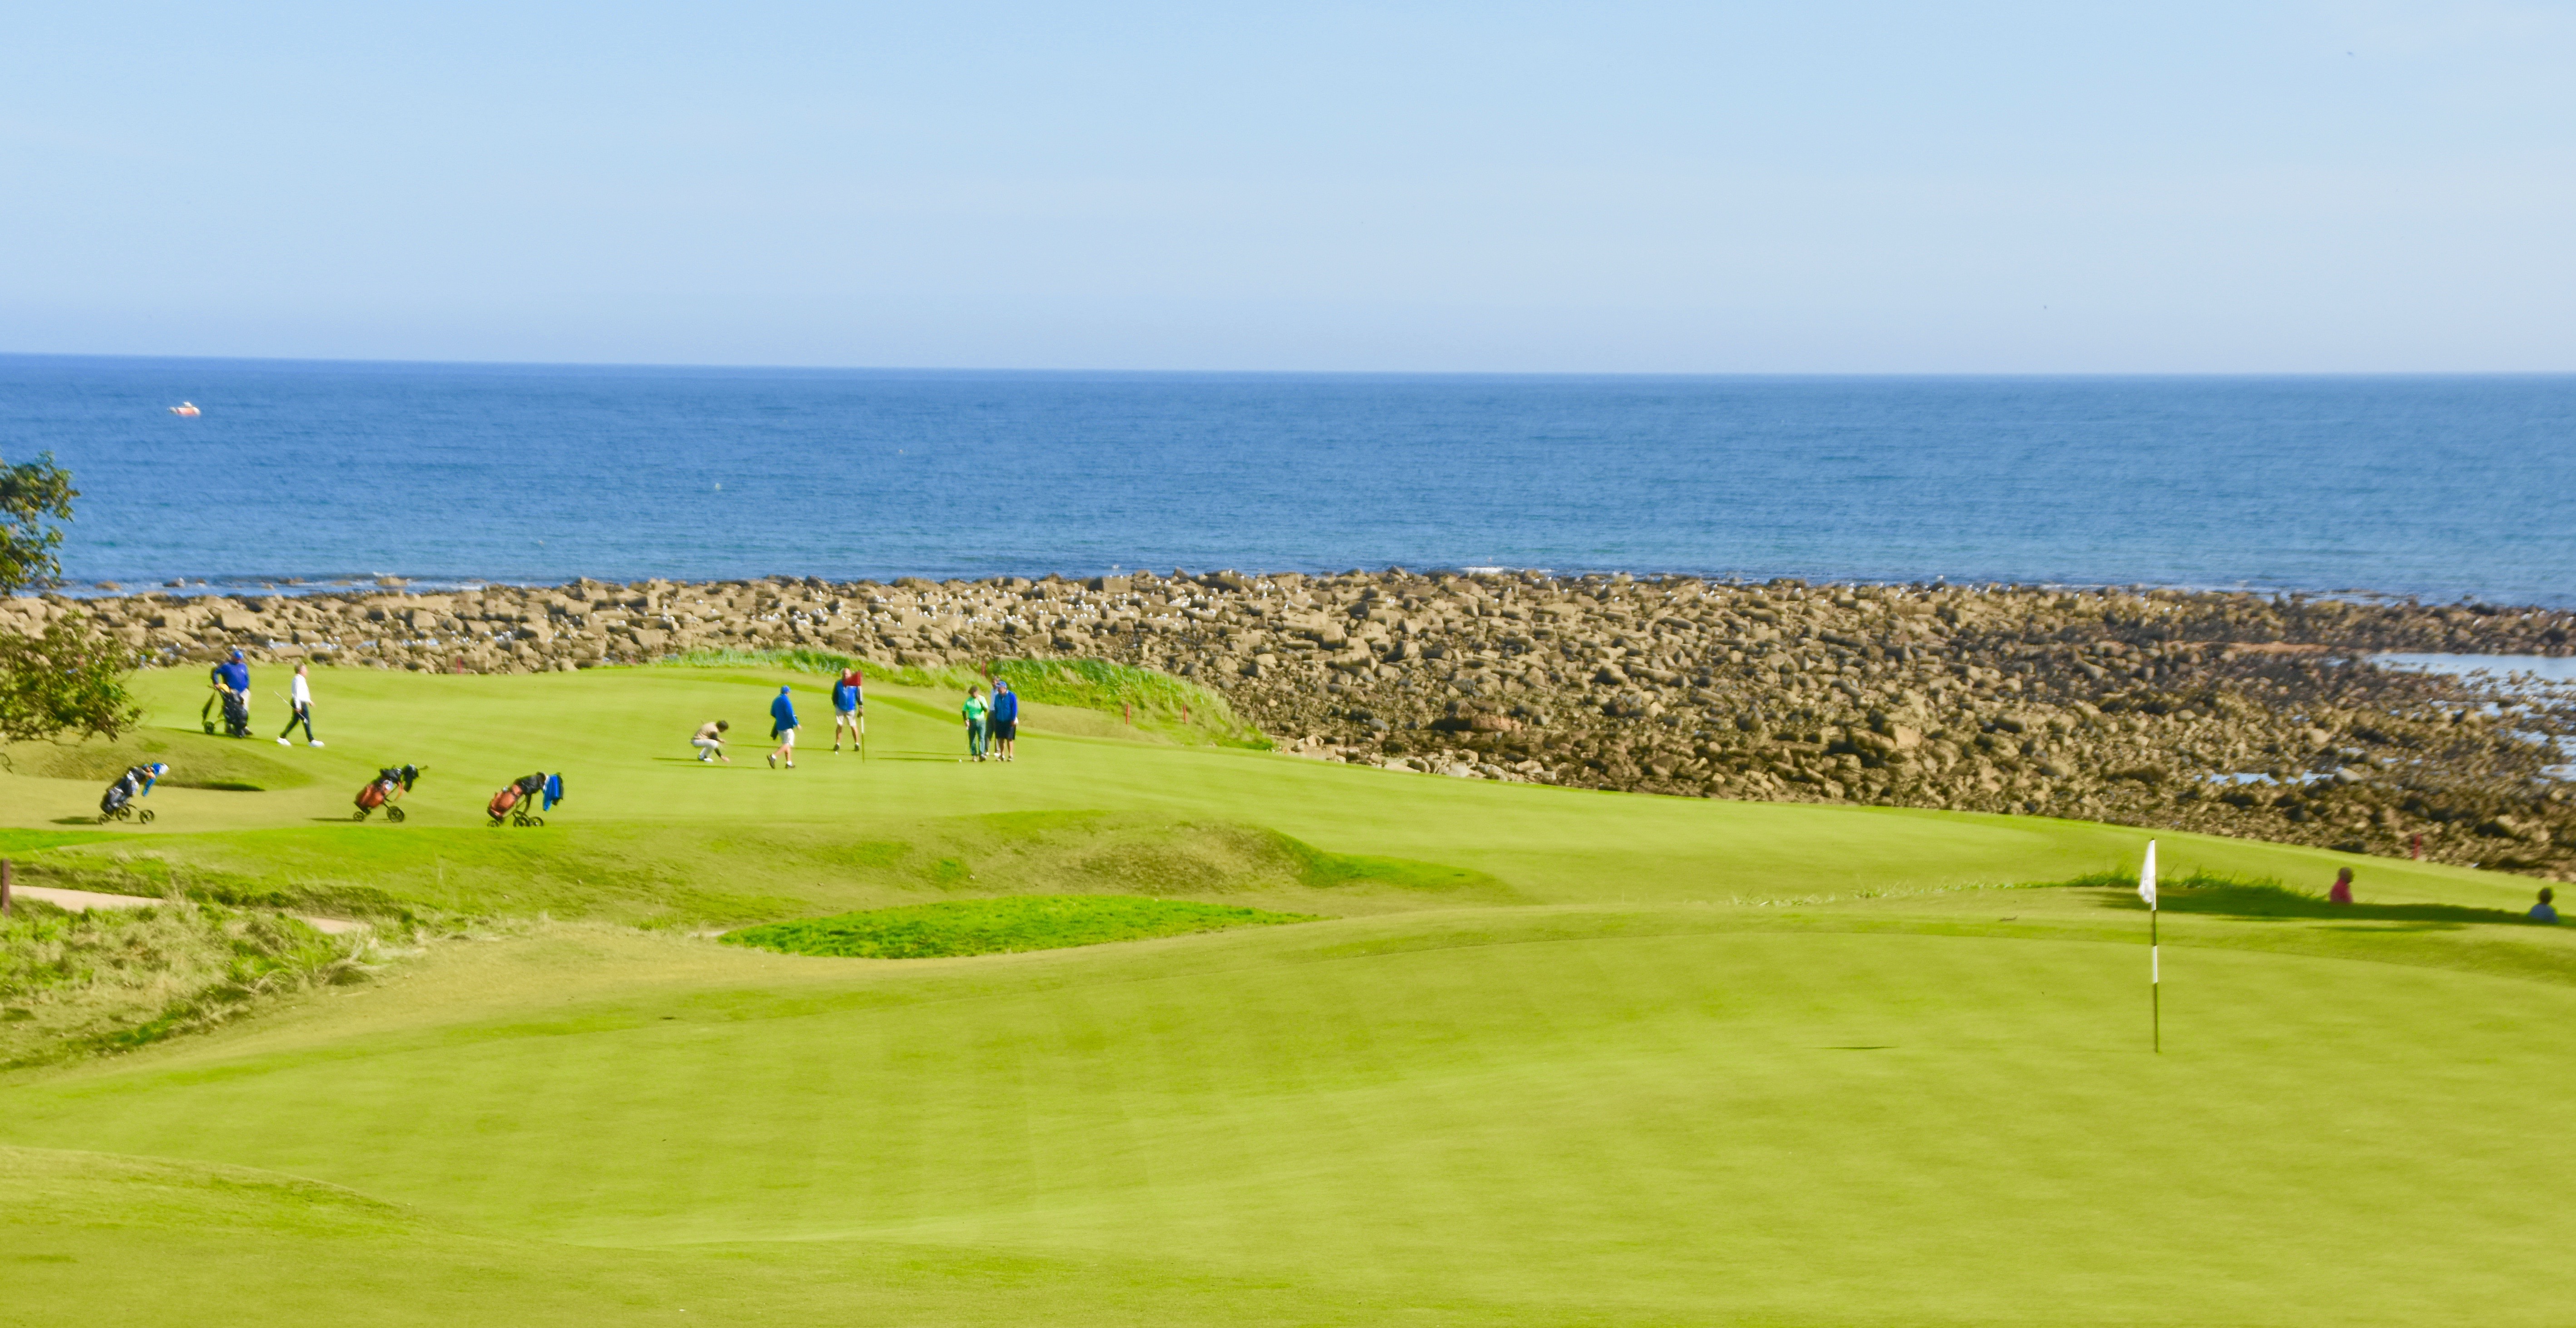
(782, 726)
(710, 741)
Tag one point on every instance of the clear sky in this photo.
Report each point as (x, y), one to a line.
(1793, 186)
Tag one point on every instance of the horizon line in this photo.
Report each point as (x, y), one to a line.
(1069, 372)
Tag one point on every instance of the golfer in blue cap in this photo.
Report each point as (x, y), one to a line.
(782, 726)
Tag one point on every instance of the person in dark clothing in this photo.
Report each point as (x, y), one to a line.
(230, 678)
(1003, 726)
(2544, 911)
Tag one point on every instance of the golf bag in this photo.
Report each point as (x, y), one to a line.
(519, 801)
(118, 802)
(236, 715)
(386, 789)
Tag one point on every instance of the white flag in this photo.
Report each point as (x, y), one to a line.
(2147, 876)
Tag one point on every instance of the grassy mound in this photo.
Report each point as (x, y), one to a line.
(999, 926)
(1156, 701)
(196, 761)
(700, 875)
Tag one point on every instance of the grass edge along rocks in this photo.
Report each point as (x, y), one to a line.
(2233, 713)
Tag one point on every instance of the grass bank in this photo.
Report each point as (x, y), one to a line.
(697, 874)
(73, 983)
(1000, 926)
(1145, 700)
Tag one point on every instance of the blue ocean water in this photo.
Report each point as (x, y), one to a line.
(2438, 487)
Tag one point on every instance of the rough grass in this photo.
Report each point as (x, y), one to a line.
(124, 864)
(1157, 701)
(998, 926)
(112, 979)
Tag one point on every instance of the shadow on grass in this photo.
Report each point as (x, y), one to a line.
(2229, 897)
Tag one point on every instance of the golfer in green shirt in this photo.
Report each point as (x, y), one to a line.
(975, 711)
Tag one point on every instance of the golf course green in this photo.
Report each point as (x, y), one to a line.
(1542, 1056)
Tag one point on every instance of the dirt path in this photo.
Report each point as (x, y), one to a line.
(81, 901)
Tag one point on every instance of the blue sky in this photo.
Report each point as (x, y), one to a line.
(1812, 187)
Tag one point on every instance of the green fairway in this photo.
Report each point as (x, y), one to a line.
(1547, 1057)
(648, 834)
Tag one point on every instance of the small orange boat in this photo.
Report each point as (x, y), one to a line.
(186, 408)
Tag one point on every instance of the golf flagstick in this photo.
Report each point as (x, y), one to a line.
(2155, 957)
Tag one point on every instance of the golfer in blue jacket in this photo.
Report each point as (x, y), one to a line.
(1005, 721)
(233, 675)
(850, 709)
(782, 726)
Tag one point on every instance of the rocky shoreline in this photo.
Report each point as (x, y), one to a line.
(2237, 714)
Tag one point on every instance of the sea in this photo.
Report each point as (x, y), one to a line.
(312, 474)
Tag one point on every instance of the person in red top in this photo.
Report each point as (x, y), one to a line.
(2342, 891)
(850, 709)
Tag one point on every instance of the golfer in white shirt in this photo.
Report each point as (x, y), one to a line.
(302, 702)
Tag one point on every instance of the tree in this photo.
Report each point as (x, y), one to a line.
(68, 678)
(30, 492)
